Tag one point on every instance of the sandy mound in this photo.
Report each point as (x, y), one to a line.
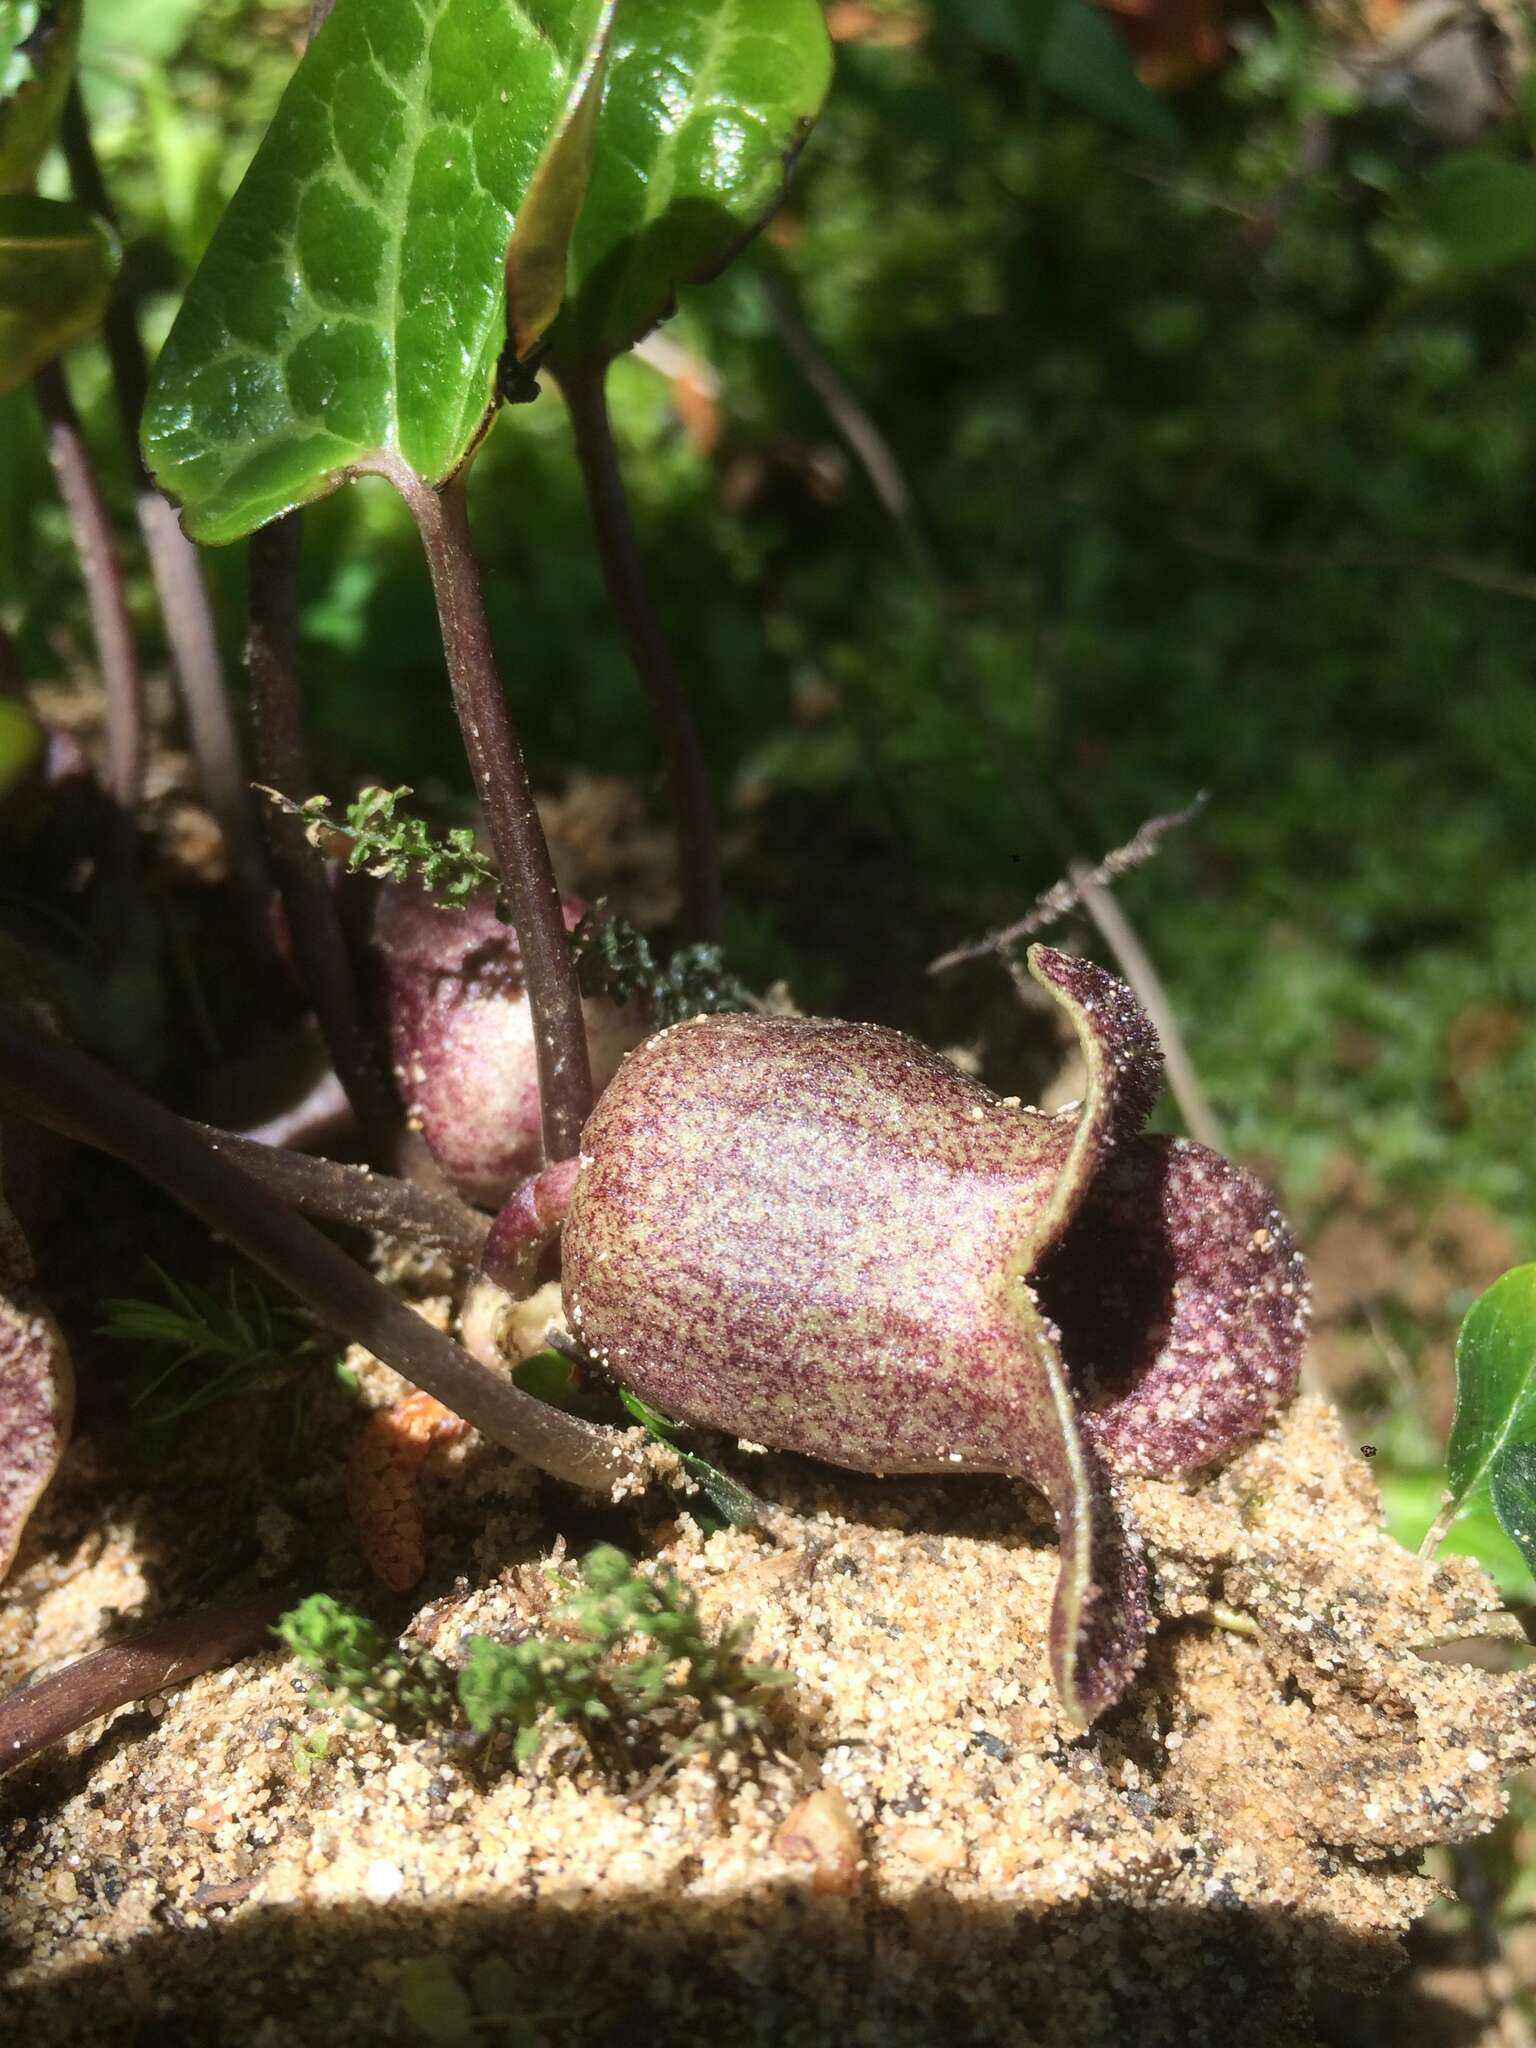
(1239, 1832)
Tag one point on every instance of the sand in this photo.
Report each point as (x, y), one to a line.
(921, 1850)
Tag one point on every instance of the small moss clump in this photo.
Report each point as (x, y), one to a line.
(620, 1648)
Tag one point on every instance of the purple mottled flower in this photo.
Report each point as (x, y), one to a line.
(824, 1238)
(461, 1035)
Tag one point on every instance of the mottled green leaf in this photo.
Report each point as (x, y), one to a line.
(38, 41)
(704, 112)
(1512, 1481)
(350, 309)
(538, 255)
(1495, 1383)
(57, 263)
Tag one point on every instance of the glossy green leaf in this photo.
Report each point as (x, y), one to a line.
(1481, 209)
(538, 256)
(38, 42)
(1512, 1482)
(350, 309)
(1495, 1384)
(704, 112)
(57, 263)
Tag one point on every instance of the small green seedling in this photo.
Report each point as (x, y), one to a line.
(494, 2003)
(364, 1675)
(213, 1346)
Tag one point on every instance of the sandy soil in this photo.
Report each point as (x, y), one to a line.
(1236, 1838)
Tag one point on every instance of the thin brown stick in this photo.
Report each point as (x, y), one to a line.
(205, 702)
(71, 1093)
(506, 799)
(178, 577)
(91, 531)
(585, 390)
(847, 412)
(314, 924)
(357, 1196)
(44, 1712)
(1063, 897)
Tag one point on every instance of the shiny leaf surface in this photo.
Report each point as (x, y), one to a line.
(704, 112)
(539, 253)
(1495, 1383)
(1512, 1482)
(351, 307)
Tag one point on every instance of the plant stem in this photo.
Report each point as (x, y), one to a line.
(36, 1715)
(852, 419)
(1440, 1527)
(506, 799)
(173, 562)
(584, 386)
(91, 531)
(314, 924)
(357, 1196)
(71, 1093)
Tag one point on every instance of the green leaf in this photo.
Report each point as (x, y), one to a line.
(1512, 1482)
(538, 255)
(133, 32)
(1086, 62)
(436, 2003)
(496, 1988)
(350, 309)
(1070, 47)
(730, 1500)
(705, 109)
(1495, 1384)
(1411, 1501)
(1481, 209)
(38, 42)
(57, 263)
(551, 1377)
